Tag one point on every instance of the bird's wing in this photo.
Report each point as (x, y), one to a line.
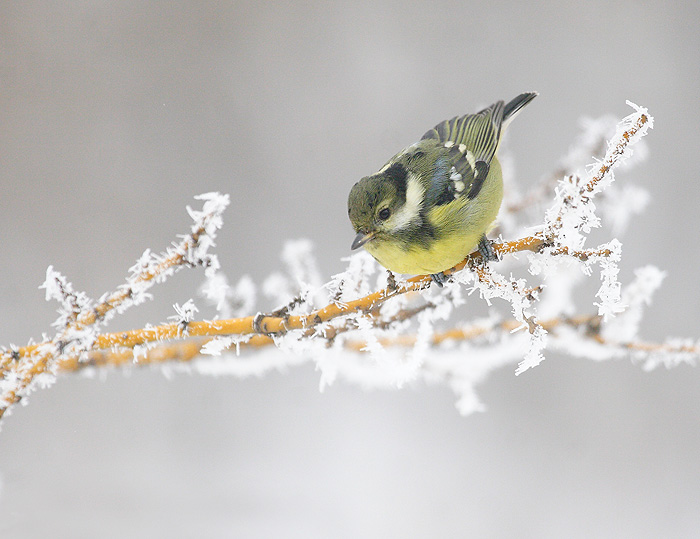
(479, 133)
(472, 141)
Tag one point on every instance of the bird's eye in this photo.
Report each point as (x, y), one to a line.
(384, 214)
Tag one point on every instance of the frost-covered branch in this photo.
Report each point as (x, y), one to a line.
(367, 326)
(80, 318)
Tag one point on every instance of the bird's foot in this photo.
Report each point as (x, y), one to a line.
(486, 250)
(439, 278)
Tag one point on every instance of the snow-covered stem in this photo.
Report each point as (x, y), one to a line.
(188, 350)
(573, 205)
(392, 322)
(592, 141)
(80, 317)
(270, 324)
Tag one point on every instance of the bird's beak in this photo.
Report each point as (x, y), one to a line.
(361, 239)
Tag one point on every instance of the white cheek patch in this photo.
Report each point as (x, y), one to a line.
(410, 211)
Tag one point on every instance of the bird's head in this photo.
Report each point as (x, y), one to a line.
(384, 203)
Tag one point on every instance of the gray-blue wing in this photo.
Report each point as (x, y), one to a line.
(472, 141)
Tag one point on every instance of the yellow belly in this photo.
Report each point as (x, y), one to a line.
(442, 255)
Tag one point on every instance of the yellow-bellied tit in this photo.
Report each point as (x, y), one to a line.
(433, 202)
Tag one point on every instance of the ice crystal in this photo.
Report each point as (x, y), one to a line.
(399, 338)
(184, 314)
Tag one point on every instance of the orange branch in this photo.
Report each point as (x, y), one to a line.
(187, 350)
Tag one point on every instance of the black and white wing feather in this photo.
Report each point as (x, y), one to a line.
(472, 141)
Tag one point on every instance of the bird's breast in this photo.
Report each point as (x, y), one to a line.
(441, 254)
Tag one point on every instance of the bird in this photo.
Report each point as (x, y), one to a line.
(434, 201)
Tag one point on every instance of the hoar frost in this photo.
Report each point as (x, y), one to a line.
(557, 270)
(80, 318)
(401, 340)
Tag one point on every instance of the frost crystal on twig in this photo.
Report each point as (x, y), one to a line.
(80, 318)
(184, 314)
(379, 330)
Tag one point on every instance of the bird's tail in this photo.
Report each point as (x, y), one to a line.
(514, 106)
(479, 133)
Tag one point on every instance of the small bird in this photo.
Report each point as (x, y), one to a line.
(433, 202)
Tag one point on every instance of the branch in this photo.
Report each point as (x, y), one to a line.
(346, 315)
(186, 351)
(22, 366)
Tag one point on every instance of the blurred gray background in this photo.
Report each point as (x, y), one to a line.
(113, 115)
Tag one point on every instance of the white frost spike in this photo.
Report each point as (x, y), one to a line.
(368, 333)
(424, 334)
(680, 351)
(210, 221)
(355, 281)
(634, 117)
(184, 314)
(636, 296)
(276, 287)
(609, 292)
(468, 402)
(573, 213)
(306, 278)
(144, 265)
(534, 356)
(52, 284)
(299, 258)
(72, 303)
(210, 216)
(244, 295)
(218, 345)
(230, 301)
(647, 280)
(521, 298)
(621, 205)
(561, 275)
(303, 278)
(216, 291)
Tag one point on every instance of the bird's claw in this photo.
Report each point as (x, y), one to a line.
(486, 250)
(439, 278)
